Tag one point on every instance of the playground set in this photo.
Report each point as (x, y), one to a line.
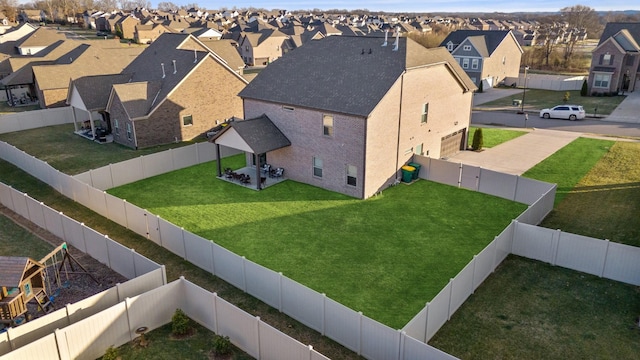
(24, 280)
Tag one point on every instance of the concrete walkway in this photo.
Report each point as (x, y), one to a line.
(494, 94)
(520, 154)
(628, 111)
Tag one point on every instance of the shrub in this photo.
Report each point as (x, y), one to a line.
(477, 139)
(111, 354)
(221, 345)
(480, 87)
(566, 97)
(180, 323)
(585, 89)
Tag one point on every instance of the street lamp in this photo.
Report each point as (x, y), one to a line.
(524, 91)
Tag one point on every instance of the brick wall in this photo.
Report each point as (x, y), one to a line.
(303, 127)
(618, 61)
(208, 94)
(117, 113)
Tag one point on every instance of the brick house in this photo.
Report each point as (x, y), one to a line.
(178, 91)
(488, 56)
(615, 62)
(354, 111)
(263, 47)
(125, 27)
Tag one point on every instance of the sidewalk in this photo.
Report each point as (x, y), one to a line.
(520, 154)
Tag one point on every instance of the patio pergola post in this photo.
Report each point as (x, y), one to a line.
(93, 128)
(218, 160)
(258, 178)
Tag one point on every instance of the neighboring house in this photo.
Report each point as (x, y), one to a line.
(126, 27)
(487, 56)
(263, 47)
(51, 81)
(615, 62)
(226, 50)
(38, 40)
(17, 33)
(178, 91)
(203, 33)
(355, 112)
(36, 16)
(146, 34)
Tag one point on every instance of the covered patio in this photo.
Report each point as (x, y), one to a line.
(257, 137)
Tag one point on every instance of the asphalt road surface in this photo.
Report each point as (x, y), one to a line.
(588, 125)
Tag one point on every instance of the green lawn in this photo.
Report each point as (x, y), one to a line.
(162, 345)
(16, 241)
(72, 154)
(493, 137)
(536, 99)
(570, 164)
(385, 256)
(531, 310)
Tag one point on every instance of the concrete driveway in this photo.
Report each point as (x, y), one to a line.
(628, 111)
(493, 94)
(520, 154)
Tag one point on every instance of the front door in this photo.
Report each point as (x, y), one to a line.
(625, 82)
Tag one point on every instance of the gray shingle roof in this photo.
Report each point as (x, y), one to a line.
(138, 97)
(260, 133)
(492, 38)
(338, 73)
(95, 90)
(613, 28)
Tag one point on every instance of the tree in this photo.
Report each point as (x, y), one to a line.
(9, 8)
(566, 97)
(477, 140)
(167, 6)
(579, 18)
(585, 88)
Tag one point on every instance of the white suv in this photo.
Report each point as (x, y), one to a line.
(571, 112)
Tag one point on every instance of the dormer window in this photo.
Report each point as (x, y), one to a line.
(450, 46)
(466, 48)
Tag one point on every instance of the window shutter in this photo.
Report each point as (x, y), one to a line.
(601, 59)
(611, 60)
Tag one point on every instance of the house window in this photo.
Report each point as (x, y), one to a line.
(129, 131)
(187, 120)
(465, 63)
(474, 64)
(450, 46)
(317, 167)
(601, 80)
(246, 48)
(606, 58)
(425, 113)
(457, 60)
(116, 126)
(466, 48)
(352, 175)
(419, 149)
(327, 125)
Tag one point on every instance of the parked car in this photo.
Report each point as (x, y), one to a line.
(571, 112)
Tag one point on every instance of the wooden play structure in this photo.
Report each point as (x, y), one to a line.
(23, 279)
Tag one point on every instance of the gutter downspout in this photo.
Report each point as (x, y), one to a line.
(399, 121)
(135, 137)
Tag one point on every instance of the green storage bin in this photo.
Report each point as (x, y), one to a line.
(407, 173)
(417, 172)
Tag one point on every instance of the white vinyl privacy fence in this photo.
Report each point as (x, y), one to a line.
(115, 325)
(351, 329)
(548, 82)
(35, 119)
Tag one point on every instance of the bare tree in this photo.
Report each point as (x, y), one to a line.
(579, 18)
(167, 6)
(9, 7)
(189, 6)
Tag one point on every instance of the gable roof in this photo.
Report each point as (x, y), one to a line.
(94, 90)
(137, 98)
(147, 68)
(626, 41)
(12, 268)
(338, 73)
(43, 36)
(612, 28)
(492, 38)
(260, 134)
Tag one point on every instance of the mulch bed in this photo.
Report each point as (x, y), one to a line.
(73, 287)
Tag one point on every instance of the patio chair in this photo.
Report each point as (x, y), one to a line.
(265, 169)
(279, 173)
(245, 179)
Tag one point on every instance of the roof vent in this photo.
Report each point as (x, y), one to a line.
(195, 56)
(386, 34)
(397, 42)
(162, 65)
(175, 68)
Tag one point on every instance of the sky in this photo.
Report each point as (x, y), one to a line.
(405, 6)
